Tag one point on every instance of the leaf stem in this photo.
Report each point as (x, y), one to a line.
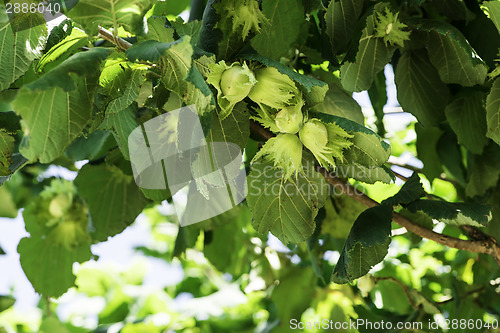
(47, 306)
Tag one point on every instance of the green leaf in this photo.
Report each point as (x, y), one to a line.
(341, 19)
(312, 5)
(58, 33)
(276, 39)
(93, 281)
(235, 128)
(378, 99)
(54, 118)
(18, 50)
(117, 307)
(338, 103)
(164, 8)
(186, 238)
(91, 147)
(63, 49)
(119, 116)
(52, 325)
(191, 29)
(116, 76)
(228, 239)
(8, 208)
(451, 54)
(450, 156)
(287, 209)
(366, 244)
(365, 174)
(341, 212)
(455, 10)
(114, 200)
(151, 50)
(493, 111)
(198, 93)
(140, 327)
(393, 295)
(453, 213)
(6, 301)
(210, 36)
(417, 218)
(18, 161)
(423, 303)
(178, 74)
(49, 266)
(292, 305)
(158, 30)
(368, 149)
(484, 171)
(10, 121)
(427, 140)
(6, 150)
(83, 64)
(478, 25)
(112, 14)
(466, 115)
(121, 123)
(420, 90)
(122, 81)
(134, 79)
(56, 107)
(372, 56)
(411, 190)
(156, 195)
(493, 12)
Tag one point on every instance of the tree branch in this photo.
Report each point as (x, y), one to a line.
(257, 128)
(395, 161)
(487, 244)
(118, 41)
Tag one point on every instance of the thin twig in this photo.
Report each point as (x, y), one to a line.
(405, 288)
(118, 41)
(398, 232)
(418, 170)
(488, 245)
(405, 179)
(400, 176)
(467, 294)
